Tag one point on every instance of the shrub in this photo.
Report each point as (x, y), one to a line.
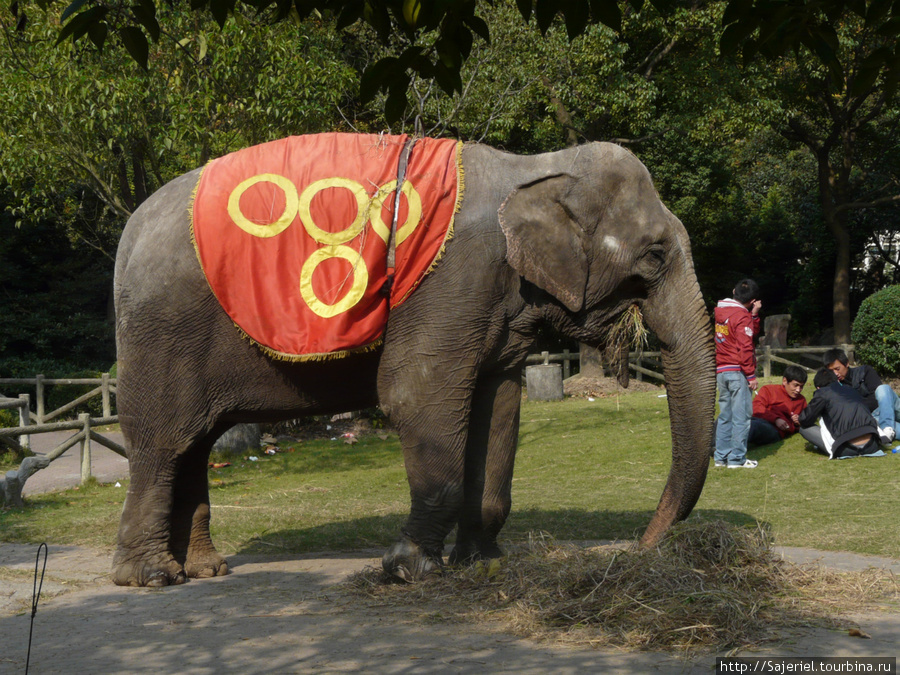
(876, 331)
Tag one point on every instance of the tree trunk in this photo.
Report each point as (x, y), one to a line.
(841, 288)
(562, 115)
(830, 193)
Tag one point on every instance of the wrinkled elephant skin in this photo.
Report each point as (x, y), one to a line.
(571, 239)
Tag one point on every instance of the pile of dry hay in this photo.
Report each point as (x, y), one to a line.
(707, 586)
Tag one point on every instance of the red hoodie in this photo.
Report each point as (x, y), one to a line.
(735, 329)
(773, 403)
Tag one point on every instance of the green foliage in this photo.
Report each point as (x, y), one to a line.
(82, 130)
(9, 418)
(432, 40)
(54, 302)
(876, 331)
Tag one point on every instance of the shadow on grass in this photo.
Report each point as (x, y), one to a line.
(761, 452)
(559, 524)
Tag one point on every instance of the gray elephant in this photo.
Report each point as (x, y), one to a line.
(571, 239)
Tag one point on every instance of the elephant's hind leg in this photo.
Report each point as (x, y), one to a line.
(164, 532)
(191, 541)
(143, 556)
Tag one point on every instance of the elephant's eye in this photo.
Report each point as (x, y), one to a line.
(655, 256)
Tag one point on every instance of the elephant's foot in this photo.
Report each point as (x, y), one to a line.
(130, 569)
(205, 565)
(408, 561)
(467, 551)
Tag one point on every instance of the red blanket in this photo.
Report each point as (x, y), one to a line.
(292, 235)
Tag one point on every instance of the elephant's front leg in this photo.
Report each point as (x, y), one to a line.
(490, 453)
(433, 436)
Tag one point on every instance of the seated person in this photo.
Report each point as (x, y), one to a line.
(880, 398)
(777, 407)
(847, 428)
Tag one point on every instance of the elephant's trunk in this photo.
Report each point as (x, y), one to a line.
(678, 316)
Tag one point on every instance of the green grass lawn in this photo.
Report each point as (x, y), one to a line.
(585, 470)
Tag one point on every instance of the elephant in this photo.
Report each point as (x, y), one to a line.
(571, 239)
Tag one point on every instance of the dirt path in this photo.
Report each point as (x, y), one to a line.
(286, 615)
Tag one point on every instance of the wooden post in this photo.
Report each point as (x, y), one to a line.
(39, 395)
(638, 374)
(24, 420)
(567, 365)
(848, 350)
(85, 419)
(767, 361)
(104, 393)
(546, 357)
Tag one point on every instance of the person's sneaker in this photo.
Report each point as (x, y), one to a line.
(748, 464)
(718, 463)
(888, 435)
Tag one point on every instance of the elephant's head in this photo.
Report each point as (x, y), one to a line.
(597, 238)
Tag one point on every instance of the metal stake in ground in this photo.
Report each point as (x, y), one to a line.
(35, 596)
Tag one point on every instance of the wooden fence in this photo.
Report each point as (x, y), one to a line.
(643, 363)
(105, 385)
(38, 423)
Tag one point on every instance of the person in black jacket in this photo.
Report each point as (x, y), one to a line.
(847, 428)
(881, 400)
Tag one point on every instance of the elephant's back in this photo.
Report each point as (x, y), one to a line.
(157, 236)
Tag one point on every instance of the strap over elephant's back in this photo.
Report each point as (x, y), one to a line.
(293, 235)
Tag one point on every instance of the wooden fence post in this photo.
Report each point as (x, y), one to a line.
(638, 374)
(767, 361)
(546, 357)
(39, 395)
(24, 420)
(567, 366)
(104, 393)
(85, 419)
(848, 350)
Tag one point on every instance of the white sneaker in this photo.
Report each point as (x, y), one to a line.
(748, 464)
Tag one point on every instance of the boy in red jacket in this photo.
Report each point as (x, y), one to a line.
(737, 323)
(777, 407)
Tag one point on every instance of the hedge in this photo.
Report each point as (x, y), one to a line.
(876, 331)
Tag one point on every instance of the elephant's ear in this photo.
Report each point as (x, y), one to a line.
(544, 243)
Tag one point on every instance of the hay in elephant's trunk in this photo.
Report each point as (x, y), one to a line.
(707, 586)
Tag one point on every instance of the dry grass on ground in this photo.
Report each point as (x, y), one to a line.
(709, 586)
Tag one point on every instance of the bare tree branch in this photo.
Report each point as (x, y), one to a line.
(885, 254)
(641, 139)
(871, 204)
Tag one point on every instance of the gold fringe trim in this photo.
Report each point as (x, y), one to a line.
(191, 205)
(326, 356)
(460, 177)
(190, 209)
(460, 190)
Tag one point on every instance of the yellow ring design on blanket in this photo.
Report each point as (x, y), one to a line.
(334, 238)
(353, 296)
(275, 227)
(413, 218)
